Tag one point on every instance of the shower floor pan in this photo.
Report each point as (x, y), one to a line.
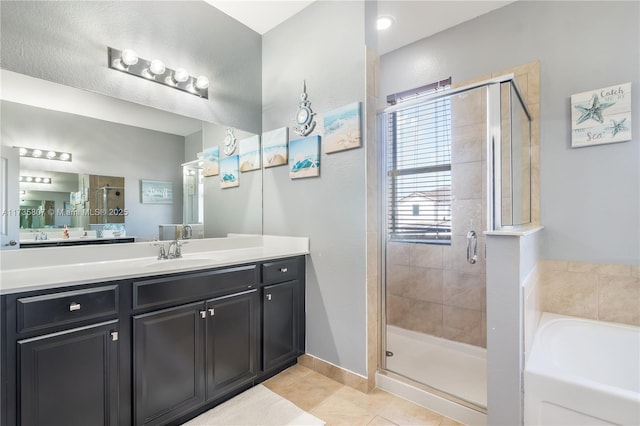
(455, 368)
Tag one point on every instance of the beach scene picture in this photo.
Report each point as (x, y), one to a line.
(274, 147)
(342, 128)
(250, 154)
(304, 157)
(211, 161)
(229, 172)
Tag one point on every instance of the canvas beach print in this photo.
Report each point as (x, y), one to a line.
(304, 157)
(342, 128)
(601, 116)
(211, 161)
(229, 172)
(250, 154)
(274, 147)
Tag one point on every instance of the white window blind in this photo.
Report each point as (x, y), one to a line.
(419, 172)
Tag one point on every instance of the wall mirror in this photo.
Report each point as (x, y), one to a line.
(110, 137)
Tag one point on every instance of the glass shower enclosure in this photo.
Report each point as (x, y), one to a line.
(456, 163)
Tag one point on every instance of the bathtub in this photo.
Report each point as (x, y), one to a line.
(582, 372)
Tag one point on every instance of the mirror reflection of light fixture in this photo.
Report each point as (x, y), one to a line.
(129, 62)
(35, 179)
(44, 154)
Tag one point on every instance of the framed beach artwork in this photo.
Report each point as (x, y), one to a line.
(156, 192)
(274, 147)
(342, 128)
(211, 161)
(304, 157)
(601, 116)
(250, 154)
(229, 172)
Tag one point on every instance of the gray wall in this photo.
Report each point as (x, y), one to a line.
(590, 197)
(324, 45)
(66, 42)
(103, 148)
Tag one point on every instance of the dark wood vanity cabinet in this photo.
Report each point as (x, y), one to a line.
(61, 357)
(190, 354)
(282, 312)
(70, 378)
(148, 351)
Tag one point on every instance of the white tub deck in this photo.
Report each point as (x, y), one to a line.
(583, 372)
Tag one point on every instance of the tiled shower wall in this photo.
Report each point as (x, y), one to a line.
(432, 288)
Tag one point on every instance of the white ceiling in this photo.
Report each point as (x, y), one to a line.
(414, 19)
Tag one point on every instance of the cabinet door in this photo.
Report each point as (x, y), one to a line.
(280, 323)
(168, 363)
(232, 342)
(70, 378)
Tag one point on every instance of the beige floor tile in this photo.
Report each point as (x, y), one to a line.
(337, 410)
(305, 389)
(381, 421)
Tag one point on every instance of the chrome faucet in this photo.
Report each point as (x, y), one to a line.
(174, 251)
(162, 254)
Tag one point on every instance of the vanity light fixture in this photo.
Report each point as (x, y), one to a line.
(44, 154)
(129, 62)
(35, 179)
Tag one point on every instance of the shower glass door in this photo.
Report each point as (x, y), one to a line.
(456, 163)
(436, 190)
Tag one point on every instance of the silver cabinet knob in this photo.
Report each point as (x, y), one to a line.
(269, 296)
(212, 311)
(74, 307)
(283, 270)
(114, 336)
(203, 314)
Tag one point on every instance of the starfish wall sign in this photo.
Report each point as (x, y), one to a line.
(601, 116)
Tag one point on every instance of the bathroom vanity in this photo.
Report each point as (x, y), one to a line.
(142, 341)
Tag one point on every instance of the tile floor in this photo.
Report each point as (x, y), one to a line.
(337, 404)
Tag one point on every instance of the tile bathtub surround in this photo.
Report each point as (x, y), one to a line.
(337, 404)
(605, 292)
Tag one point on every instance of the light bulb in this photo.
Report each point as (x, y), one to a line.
(157, 67)
(51, 155)
(181, 75)
(129, 57)
(64, 156)
(29, 179)
(36, 153)
(202, 82)
(21, 178)
(23, 151)
(46, 180)
(384, 22)
(38, 180)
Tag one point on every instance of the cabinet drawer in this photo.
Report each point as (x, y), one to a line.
(279, 271)
(38, 312)
(188, 287)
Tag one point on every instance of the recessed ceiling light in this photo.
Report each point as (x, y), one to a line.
(384, 22)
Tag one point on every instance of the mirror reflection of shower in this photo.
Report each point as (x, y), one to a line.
(193, 192)
(112, 204)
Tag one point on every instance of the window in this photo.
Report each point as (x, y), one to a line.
(419, 172)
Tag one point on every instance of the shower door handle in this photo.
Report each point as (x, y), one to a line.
(472, 247)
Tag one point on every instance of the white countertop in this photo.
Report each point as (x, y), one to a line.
(53, 267)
